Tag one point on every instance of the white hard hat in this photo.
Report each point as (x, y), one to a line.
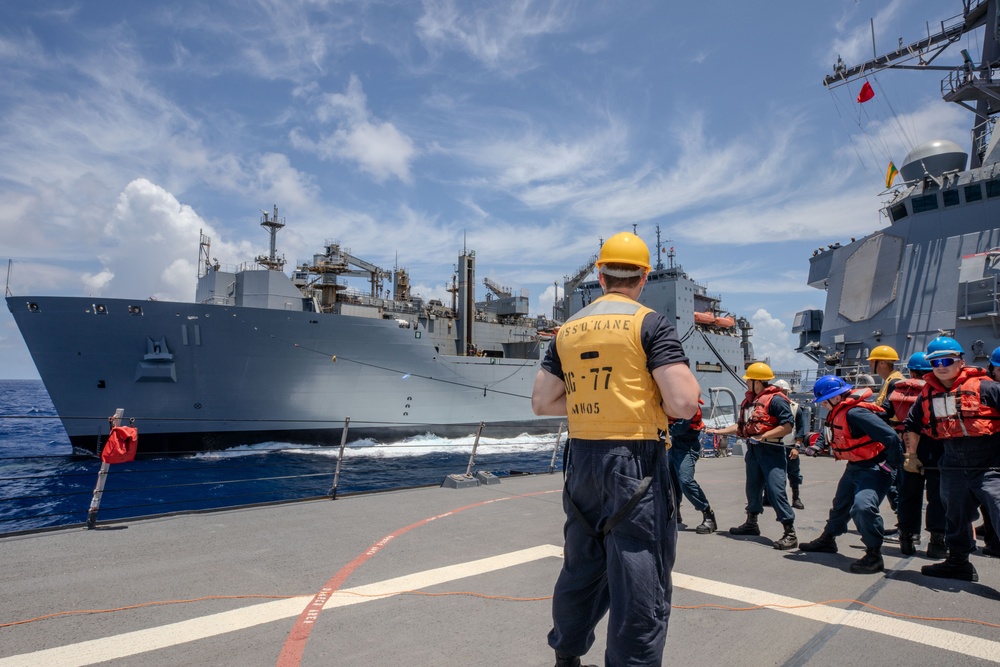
(782, 385)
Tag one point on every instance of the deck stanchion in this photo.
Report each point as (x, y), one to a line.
(475, 446)
(340, 459)
(102, 477)
(555, 450)
(462, 481)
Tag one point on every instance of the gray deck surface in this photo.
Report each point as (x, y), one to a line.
(296, 549)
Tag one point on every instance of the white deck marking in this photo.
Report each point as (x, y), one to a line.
(142, 641)
(863, 620)
(412, 582)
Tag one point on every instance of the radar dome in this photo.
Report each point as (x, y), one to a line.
(933, 159)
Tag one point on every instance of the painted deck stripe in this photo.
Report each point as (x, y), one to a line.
(142, 641)
(295, 643)
(863, 620)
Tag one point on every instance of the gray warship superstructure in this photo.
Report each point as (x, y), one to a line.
(716, 342)
(935, 268)
(263, 357)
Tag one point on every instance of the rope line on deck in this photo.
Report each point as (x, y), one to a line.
(504, 598)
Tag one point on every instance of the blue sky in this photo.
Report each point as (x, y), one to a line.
(526, 130)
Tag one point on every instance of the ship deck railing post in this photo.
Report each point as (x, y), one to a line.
(102, 477)
(475, 446)
(340, 459)
(456, 481)
(555, 450)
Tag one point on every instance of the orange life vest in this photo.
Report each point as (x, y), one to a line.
(121, 445)
(904, 395)
(958, 412)
(838, 434)
(696, 422)
(754, 416)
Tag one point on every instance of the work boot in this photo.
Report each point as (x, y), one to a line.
(936, 548)
(708, 524)
(569, 661)
(870, 563)
(825, 543)
(906, 543)
(788, 540)
(748, 527)
(992, 552)
(954, 567)
(796, 502)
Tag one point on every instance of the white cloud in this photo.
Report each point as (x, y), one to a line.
(499, 35)
(165, 268)
(773, 340)
(378, 148)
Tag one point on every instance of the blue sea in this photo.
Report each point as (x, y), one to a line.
(43, 484)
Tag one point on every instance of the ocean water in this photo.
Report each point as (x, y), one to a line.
(42, 483)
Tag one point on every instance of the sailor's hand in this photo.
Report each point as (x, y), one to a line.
(793, 453)
(912, 464)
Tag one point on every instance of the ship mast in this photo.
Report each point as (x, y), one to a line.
(272, 225)
(965, 84)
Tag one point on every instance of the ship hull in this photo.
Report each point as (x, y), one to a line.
(201, 377)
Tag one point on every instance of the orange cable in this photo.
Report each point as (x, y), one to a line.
(146, 604)
(505, 598)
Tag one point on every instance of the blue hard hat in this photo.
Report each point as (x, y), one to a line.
(995, 357)
(829, 386)
(943, 346)
(918, 361)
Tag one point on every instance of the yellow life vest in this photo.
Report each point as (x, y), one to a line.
(884, 390)
(610, 393)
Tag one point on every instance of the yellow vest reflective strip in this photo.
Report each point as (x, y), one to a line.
(610, 394)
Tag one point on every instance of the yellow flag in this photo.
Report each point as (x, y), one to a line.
(890, 174)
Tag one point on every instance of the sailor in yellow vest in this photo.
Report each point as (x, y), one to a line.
(616, 370)
(882, 361)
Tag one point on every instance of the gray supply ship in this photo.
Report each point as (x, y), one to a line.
(716, 342)
(261, 356)
(934, 269)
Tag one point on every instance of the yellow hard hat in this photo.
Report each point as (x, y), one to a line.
(883, 352)
(759, 371)
(624, 248)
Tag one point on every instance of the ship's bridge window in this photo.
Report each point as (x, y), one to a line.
(950, 198)
(993, 188)
(898, 212)
(973, 193)
(925, 203)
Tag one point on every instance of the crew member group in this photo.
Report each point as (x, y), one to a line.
(618, 372)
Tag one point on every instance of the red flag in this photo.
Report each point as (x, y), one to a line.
(866, 93)
(121, 445)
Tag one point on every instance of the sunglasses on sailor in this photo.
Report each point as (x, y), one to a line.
(943, 362)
